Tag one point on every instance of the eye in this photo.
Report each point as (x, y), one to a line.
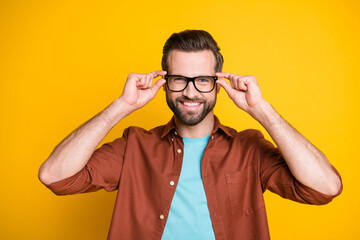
(204, 79)
(177, 79)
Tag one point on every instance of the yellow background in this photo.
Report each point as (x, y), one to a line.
(61, 62)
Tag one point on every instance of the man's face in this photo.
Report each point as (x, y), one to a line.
(191, 106)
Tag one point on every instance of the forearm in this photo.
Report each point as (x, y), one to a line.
(72, 154)
(307, 163)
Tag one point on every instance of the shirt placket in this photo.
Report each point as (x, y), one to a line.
(210, 191)
(171, 182)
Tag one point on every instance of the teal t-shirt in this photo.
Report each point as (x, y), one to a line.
(189, 216)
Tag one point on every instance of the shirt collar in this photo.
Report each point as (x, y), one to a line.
(217, 126)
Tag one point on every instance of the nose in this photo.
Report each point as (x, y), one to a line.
(190, 91)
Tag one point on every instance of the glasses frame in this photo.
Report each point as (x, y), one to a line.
(190, 79)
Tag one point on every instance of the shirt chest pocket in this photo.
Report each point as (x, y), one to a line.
(245, 191)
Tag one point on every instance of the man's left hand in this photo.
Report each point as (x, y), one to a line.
(244, 91)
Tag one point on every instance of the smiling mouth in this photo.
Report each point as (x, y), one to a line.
(191, 104)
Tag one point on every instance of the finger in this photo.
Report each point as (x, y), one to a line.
(140, 80)
(249, 80)
(241, 83)
(158, 73)
(226, 75)
(144, 81)
(159, 83)
(223, 75)
(234, 82)
(224, 84)
(149, 81)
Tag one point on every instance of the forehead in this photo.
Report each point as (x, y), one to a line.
(191, 64)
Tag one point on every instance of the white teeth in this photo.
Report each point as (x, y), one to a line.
(191, 104)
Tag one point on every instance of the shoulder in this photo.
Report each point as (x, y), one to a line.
(250, 133)
(233, 133)
(248, 138)
(135, 131)
(243, 134)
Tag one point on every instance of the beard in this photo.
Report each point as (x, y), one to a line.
(190, 118)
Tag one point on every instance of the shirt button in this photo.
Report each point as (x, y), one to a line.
(178, 151)
(172, 183)
(212, 137)
(172, 139)
(161, 217)
(175, 133)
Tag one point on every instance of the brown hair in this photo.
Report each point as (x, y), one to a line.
(192, 41)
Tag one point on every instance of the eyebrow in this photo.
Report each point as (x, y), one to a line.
(191, 77)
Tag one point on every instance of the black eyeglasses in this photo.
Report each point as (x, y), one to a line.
(177, 83)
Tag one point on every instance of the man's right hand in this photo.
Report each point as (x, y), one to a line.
(73, 153)
(139, 89)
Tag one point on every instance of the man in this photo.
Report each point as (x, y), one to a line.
(192, 178)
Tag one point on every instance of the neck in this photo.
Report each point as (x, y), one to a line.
(202, 129)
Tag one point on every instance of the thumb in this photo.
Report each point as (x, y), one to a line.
(224, 84)
(159, 83)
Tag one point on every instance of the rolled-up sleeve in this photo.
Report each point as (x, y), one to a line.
(277, 177)
(102, 171)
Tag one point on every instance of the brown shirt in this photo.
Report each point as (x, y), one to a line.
(237, 167)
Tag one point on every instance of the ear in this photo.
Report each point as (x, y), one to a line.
(218, 87)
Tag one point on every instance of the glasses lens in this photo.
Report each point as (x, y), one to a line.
(177, 83)
(204, 83)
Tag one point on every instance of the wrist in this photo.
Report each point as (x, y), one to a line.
(116, 111)
(264, 113)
